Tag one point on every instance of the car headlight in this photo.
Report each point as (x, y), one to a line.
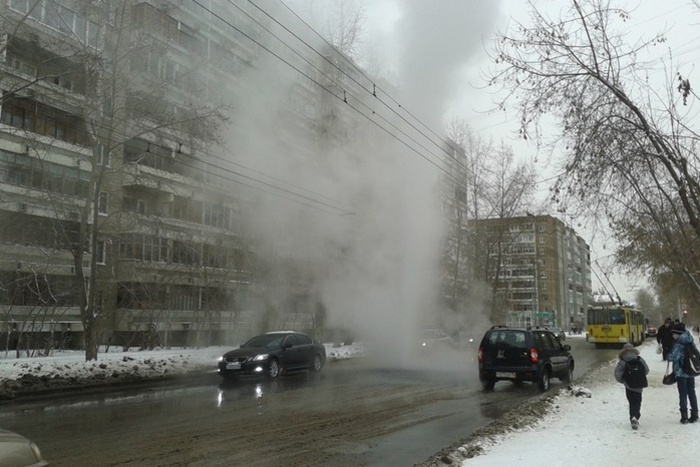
(261, 357)
(222, 359)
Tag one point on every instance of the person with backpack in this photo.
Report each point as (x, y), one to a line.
(684, 381)
(632, 371)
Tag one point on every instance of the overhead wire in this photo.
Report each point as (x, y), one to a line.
(345, 93)
(362, 72)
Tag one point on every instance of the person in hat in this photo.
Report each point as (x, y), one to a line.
(633, 390)
(684, 382)
(664, 338)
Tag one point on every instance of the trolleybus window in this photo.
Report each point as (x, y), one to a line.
(606, 316)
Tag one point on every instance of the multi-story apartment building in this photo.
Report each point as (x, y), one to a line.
(539, 269)
(115, 206)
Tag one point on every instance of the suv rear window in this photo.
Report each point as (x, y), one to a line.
(509, 338)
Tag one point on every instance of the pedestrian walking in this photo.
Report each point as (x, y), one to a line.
(684, 382)
(664, 338)
(632, 371)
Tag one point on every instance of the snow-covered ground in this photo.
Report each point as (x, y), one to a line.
(595, 431)
(575, 431)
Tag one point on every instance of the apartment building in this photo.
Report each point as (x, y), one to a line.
(539, 267)
(114, 203)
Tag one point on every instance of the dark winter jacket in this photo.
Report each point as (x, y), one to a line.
(627, 355)
(664, 337)
(678, 353)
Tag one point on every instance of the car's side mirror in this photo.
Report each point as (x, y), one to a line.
(288, 345)
(567, 347)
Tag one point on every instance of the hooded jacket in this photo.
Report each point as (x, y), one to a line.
(678, 353)
(627, 355)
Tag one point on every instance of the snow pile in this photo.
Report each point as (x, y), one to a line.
(69, 370)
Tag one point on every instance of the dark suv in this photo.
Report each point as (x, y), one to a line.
(520, 354)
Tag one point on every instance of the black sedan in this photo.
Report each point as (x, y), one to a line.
(273, 354)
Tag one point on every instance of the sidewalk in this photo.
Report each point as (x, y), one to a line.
(595, 431)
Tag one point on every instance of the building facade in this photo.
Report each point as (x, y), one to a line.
(117, 207)
(539, 269)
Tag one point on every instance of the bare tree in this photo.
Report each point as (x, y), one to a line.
(494, 186)
(344, 26)
(631, 157)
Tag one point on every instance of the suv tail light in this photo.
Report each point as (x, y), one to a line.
(534, 356)
(480, 354)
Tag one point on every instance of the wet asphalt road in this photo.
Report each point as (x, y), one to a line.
(351, 414)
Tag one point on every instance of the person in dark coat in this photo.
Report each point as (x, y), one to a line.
(684, 381)
(664, 337)
(634, 395)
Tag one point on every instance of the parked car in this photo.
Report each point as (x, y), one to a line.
(559, 332)
(435, 338)
(18, 451)
(273, 354)
(652, 331)
(520, 354)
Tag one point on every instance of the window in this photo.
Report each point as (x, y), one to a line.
(103, 155)
(102, 199)
(21, 170)
(101, 252)
(60, 18)
(542, 239)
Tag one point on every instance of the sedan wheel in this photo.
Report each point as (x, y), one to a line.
(273, 370)
(318, 363)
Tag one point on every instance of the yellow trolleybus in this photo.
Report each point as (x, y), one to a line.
(616, 325)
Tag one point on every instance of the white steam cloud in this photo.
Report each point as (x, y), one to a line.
(370, 231)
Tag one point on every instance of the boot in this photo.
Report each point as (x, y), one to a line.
(684, 418)
(693, 417)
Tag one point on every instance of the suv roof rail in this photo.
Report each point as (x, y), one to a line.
(499, 326)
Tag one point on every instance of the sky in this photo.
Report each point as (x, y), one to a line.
(578, 431)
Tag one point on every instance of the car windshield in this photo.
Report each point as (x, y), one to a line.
(269, 341)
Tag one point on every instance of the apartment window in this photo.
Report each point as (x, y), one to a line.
(543, 228)
(103, 155)
(542, 239)
(185, 253)
(41, 119)
(101, 252)
(102, 200)
(217, 215)
(22, 170)
(21, 65)
(134, 205)
(61, 18)
(15, 116)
